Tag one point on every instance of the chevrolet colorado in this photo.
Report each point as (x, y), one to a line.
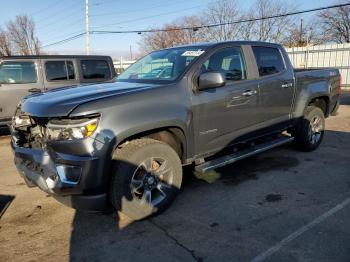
(124, 143)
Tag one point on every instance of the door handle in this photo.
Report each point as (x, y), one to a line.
(286, 85)
(34, 90)
(249, 93)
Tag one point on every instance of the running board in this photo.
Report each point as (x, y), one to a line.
(229, 159)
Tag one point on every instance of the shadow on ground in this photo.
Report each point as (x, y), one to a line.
(4, 131)
(345, 98)
(5, 201)
(101, 237)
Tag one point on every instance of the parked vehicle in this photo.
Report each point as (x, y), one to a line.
(21, 75)
(125, 143)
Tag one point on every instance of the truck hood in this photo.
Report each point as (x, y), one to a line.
(62, 101)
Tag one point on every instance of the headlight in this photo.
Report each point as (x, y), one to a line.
(69, 129)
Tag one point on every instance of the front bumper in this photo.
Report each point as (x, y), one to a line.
(76, 180)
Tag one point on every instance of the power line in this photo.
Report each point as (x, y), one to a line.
(58, 12)
(102, 3)
(139, 10)
(61, 25)
(147, 17)
(66, 40)
(65, 35)
(121, 22)
(46, 8)
(195, 28)
(222, 24)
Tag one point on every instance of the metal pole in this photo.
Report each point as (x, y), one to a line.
(301, 33)
(87, 27)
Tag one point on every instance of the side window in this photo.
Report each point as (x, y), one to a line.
(17, 73)
(59, 70)
(228, 61)
(95, 69)
(269, 60)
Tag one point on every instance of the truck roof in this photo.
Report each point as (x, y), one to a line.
(54, 56)
(212, 44)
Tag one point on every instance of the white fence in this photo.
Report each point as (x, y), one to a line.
(337, 56)
(121, 65)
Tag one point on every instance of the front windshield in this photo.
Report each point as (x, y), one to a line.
(166, 64)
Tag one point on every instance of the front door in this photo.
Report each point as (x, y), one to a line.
(220, 114)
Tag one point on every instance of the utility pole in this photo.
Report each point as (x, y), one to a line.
(130, 52)
(87, 27)
(301, 33)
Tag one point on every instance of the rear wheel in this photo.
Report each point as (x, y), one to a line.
(147, 175)
(310, 131)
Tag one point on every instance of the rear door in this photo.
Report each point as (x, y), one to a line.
(276, 85)
(95, 70)
(59, 73)
(17, 77)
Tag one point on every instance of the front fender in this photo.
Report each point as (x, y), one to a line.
(128, 116)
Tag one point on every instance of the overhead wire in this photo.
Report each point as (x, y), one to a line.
(224, 23)
(139, 10)
(195, 28)
(148, 17)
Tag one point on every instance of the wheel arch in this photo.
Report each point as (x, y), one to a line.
(172, 135)
(321, 102)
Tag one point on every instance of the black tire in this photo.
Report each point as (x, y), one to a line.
(131, 162)
(307, 136)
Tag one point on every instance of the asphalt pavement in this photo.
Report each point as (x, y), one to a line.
(283, 205)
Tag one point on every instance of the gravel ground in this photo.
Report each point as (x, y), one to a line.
(282, 205)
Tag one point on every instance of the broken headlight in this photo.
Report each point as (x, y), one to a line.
(70, 129)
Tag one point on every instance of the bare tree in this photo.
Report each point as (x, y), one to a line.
(221, 12)
(171, 36)
(336, 24)
(222, 20)
(246, 29)
(5, 45)
(303, 35)
(21, 32)
(271, 29)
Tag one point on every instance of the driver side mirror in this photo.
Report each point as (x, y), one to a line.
(211, 80)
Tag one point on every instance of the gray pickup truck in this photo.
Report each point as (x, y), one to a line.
(21, 75)
(124, 143)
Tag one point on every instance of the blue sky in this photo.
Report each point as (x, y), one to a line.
(59, 19)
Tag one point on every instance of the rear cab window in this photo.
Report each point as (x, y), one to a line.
(269, 60)
(95, 69)
(59, 70)
(18, 72)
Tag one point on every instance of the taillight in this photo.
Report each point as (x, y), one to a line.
(340, 84)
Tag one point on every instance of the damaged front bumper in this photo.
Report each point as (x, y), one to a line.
(75, 180)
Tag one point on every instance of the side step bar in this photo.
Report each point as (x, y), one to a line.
(229, 159)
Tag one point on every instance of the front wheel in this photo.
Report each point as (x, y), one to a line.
(310, 131)
(146, 177)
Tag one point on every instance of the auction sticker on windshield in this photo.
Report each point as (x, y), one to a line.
(193, 53)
